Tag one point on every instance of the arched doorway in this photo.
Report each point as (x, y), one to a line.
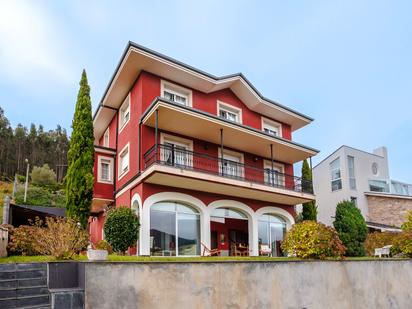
(229, 231)
(174, 229)
(271, 232)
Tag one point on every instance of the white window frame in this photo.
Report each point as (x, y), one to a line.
(99, 169)
(120, 172)
(176, 140)
(176, 90)
(106, 135)
(122, 111)
(231, 109)
(340, 174)
(232, 153)
(270, 124)
(352, 179)
(268, 165)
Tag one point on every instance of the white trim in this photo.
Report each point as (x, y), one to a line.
(176, 89)
(99, 169)
(232, 153)
(119, 172)
(272, 210)
(230, 108)
(271, 123)
(268, 165)
(176, 197)
(252, 221)
(136, 198)
(126, 101)
(104, 151)
(176, 139)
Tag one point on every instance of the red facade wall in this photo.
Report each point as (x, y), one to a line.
(101, 190)
(112, 133)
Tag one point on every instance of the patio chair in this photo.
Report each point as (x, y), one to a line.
(265, 250)
(209, 252)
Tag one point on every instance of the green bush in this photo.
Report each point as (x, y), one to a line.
(38, 196)
(378, 240)
(407, 225)
(312, 240)
(43, 176)
(403, 244)
(121, 228)
(351, 228)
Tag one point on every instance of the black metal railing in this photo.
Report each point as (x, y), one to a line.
(173, 155)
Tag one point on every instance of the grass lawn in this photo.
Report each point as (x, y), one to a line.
(124, 258)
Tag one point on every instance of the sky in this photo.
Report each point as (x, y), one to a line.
(347, 64)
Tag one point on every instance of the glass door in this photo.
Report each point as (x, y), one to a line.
(176, 154)
(231, 165)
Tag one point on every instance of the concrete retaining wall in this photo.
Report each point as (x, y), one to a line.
(328, 284)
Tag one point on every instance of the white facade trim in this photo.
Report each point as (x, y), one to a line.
(252, 221)
(176, 89)
(231, 108)
(271, 123)
(99, 169)
(175, 197)
(121, 173)
(136, 198)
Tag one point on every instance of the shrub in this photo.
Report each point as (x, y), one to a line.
(312, 240)
(61, 238)
(378, 240)
(351, 227)
(43, 176)
(407, 226)
(121, 228)
(21, 239)
(103, 245)
(40, 196)
(403, 244)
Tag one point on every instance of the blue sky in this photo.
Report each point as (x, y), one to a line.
(348, 64)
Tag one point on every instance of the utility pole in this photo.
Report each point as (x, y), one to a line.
(27, 180)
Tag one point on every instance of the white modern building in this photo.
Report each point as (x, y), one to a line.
(362, 177)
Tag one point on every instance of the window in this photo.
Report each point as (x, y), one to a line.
(378, 186)
(401, 188)
(351, 172)
(174, 229)
(106, 138)
(176, 93)
(271, 127)
(228, 213)
(232, 163)
(229, 112)
(335, 175)
(124, 161)
(275, 177)
(105, 170)
(176, 151)
(124, 113)
(271, 231)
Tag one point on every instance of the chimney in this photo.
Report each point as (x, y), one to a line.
(381, 151)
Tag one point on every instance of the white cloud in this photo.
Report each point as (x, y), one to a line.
(30, 44)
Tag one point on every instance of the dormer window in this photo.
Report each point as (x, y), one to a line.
(271, 127)
(229, 112)
(124, 113)
(176, 93)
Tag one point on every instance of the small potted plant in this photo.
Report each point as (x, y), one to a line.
(99, 251)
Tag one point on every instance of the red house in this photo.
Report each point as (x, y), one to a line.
(203, 160)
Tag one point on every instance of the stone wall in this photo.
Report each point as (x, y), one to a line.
(312, 284)
(388, 210)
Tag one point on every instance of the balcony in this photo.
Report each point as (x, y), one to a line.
(176, 167)
(187, 121)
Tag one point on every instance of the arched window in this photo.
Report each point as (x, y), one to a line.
(174, 229)
(228, 213)
(272, 230)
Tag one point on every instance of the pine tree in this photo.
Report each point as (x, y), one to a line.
(80, 157)
(309, 211)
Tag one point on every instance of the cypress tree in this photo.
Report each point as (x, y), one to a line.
(80, 157)
(309, 211)
(351, 227)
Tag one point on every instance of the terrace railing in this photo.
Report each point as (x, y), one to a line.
(179, 157)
